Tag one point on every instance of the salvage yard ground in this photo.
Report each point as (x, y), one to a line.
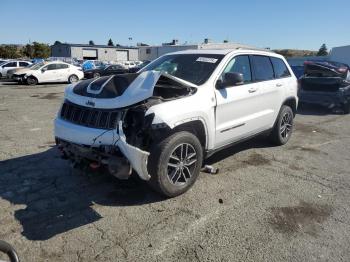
(288, 203)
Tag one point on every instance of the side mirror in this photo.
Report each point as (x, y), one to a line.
(231, 79)
(43, 70)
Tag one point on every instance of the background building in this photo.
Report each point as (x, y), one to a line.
(340, 54)
(153, 52)
(95, 52)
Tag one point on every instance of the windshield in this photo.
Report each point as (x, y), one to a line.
(37, 66)
(194, 68)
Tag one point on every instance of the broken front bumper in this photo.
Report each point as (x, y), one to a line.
(83, 142)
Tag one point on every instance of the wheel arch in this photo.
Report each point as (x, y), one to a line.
(197, 127)
(292, 103)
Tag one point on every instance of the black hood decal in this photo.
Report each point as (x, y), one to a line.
(105, 87)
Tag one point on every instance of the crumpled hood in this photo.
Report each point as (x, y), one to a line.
(116, 91)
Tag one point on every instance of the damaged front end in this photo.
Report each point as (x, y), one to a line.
(103, 124)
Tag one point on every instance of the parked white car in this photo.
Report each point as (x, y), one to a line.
(129, 64)
(50, 72)
(166, 119)
(4, 67)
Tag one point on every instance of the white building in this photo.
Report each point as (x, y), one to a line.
(95, 52)
(340, 54)
(152, 52)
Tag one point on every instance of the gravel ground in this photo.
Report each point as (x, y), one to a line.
(288, 203)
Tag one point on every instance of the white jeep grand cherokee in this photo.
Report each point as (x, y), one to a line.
(166, 119)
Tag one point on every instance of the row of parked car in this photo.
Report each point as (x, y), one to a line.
(326, 83)
(57, 71)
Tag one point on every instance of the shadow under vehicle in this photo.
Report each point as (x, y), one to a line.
(325, 83)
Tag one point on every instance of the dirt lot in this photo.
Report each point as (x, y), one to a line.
(287, 203)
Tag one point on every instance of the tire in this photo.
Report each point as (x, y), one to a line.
(346, 108)
(96, 75)
(73, 79)
(172, 174)
(283, 128)
(32, 81)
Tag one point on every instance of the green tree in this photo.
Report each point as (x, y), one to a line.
(91, 42)
(28, 50)
(9, 51)
(323, 51)
(41, 50)
(110, 42)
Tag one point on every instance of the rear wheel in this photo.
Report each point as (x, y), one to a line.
(283, 128)
(346, 108)
(32, 81)
(73, 79)
(174, 164)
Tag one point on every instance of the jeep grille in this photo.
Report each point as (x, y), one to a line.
(90, 117)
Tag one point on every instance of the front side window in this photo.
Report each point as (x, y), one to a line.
(194, 68)
(51, 67)
(262, 68)
(279, 67)
(239, 64)
(11, 64)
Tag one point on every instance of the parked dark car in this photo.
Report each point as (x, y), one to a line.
(138, 67)
(326, 83)
(105, 71)
(298, 71)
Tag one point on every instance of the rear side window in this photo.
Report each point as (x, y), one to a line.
(23, 64)
(61, 66)
(262, 68)
(279, 67)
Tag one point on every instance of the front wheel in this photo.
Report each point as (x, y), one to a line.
(174, 164)
(283, 128)
(32, 81)
(96, 75)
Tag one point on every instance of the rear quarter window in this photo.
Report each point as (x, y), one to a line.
(280, 68)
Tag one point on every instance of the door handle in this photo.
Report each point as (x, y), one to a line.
(252, 90)
(279, 84)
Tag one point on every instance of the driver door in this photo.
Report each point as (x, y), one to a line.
(237, 107)
(49, 73)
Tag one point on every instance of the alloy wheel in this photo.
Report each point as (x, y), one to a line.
(286, 125)
(181, 164)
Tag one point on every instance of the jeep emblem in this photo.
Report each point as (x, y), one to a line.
(90, 103)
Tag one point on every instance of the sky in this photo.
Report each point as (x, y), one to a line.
(297, 24)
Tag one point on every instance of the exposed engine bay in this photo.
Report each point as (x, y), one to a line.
(122, 135)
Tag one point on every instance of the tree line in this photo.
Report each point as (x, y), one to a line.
(34, 50)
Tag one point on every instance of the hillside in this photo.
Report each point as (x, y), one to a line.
(295, 52)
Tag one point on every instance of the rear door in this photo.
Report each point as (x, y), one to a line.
(63, 72)
(238, 107)
(271, 89)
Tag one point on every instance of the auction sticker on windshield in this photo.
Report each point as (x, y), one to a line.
(207, 60)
